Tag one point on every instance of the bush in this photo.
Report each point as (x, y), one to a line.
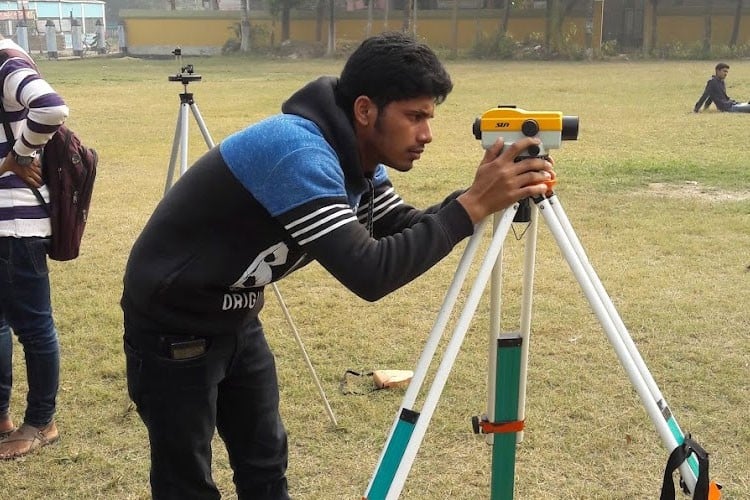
(497, 46)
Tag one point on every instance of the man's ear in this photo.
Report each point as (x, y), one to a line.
(365, 111)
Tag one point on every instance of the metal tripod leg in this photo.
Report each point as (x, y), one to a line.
(410, 426)
(396, 461)
(180, 144)
(631, 360)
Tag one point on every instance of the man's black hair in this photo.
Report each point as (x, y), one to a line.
(721, 65)
(392, 67)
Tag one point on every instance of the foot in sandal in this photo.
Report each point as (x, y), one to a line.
(6, 426)
(27, 439)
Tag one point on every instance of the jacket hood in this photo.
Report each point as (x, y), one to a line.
(317, 102)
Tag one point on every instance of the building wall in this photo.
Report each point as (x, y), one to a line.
(60, 12)
(205, 32)
(686, 25)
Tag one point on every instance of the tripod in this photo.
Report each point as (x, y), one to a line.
(509, 356)
(180, 144)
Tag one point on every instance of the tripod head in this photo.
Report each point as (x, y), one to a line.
(187, 72)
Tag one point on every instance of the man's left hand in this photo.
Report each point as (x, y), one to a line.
(31, 174)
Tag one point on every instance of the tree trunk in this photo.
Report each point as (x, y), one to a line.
(654, 19)
(244, 28)
(589, 30)
(368, 29)
(331, 50)
(506, 17)
(707, 28)
(548, 22)
(285, 22)
(407, 15)
(454, 22)
(736, 24)
(320, 11)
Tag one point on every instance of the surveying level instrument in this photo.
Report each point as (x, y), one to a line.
(508, 352)
(180, 143)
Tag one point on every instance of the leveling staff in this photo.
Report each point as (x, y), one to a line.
(307, 184)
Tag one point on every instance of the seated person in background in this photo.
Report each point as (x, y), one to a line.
(716, 92)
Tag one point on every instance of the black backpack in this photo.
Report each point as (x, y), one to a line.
(68, 170)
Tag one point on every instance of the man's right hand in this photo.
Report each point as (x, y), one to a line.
(31, 174)
(500, 181)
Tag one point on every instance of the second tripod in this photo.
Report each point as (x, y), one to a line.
(187, 102)
(180, 145)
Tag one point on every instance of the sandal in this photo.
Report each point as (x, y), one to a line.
(6, 421)
(29, 438)
(4, 434)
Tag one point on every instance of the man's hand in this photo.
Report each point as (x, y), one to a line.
(500, 181)
(31, 174)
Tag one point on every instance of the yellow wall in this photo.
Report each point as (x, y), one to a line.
(686, 26)
(148, 32)
(205, 32)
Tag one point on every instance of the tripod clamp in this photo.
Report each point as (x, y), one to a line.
(482, 425)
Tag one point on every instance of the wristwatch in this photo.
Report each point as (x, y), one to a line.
(23, 161)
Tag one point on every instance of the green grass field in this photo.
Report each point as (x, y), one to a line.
(659, 196)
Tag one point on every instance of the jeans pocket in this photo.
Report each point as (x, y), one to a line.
(133, 364)
(37, 251)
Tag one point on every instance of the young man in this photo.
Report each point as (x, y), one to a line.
(307, 184)
(33, 111)
(716, 92)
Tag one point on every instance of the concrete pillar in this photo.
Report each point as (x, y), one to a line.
(51, 39)
(121, 41)
(101, 37)
(22, 35)
(76, 34)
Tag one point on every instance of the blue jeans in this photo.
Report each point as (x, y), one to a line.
(219, 382)
(26, 308)
(740, 108)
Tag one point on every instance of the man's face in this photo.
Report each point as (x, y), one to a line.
(400, 132)
(722, 73)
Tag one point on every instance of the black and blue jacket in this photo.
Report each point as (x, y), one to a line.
(268, 200)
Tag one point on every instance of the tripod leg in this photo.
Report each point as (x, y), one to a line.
(202, 125)
(403, 425)
(305, 356)
(184, 138)
(175, 149)
(527, 294)
(451, 352)
(657, 410)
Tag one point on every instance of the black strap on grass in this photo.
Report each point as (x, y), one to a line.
(679, 455)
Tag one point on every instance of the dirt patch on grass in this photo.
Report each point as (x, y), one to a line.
(692, 189)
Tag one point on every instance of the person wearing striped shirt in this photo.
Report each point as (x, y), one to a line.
(308, 184)
(34, 112)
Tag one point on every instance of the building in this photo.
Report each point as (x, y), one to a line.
(63, 14)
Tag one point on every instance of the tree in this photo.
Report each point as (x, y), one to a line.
(736, 25)
(244, 27)
(707, 27)
(506, 17)
(283, 7)
(408, 7)
(654, 4)
(557, 11)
